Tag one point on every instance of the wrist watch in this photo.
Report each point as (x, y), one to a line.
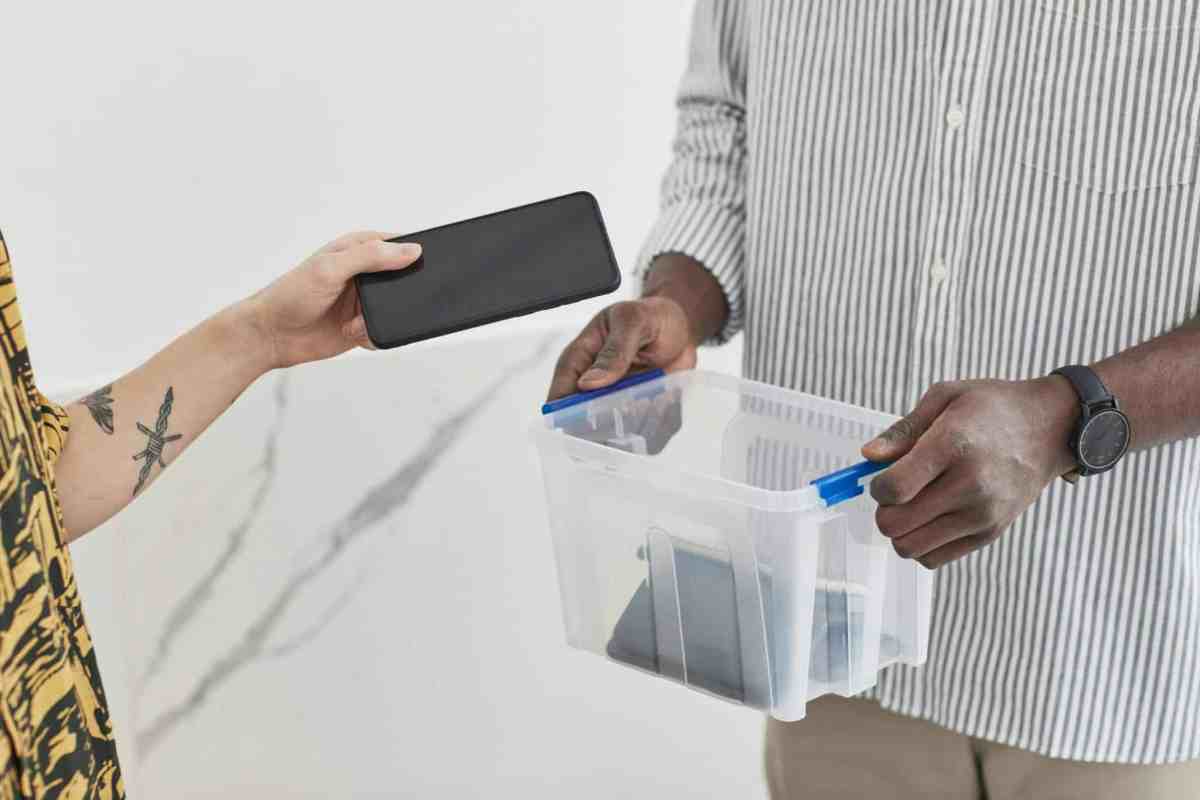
(1102, 432)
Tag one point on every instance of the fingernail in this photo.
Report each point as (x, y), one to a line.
(592, 374)
(404, 249)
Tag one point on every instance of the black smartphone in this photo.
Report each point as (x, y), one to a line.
(491, 268)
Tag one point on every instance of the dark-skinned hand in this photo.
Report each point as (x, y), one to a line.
(970, 458)
(628, 336)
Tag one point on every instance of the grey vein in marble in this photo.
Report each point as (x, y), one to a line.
(377, 503)
(339, 604)
(194, 600)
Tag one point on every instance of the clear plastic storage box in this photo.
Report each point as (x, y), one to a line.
(692, 543)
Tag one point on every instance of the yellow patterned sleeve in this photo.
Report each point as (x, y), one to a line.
(55, 425)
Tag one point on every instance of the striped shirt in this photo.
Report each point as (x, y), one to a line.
(897, 193)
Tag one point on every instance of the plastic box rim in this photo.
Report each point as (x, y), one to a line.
(804, 498)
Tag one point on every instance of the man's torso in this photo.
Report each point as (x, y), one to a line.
(994, 189)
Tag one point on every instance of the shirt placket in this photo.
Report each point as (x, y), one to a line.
(954, 144)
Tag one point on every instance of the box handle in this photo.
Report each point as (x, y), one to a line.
(583, 397)
(845, 483)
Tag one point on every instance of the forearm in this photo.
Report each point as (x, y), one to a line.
(107, 461)
(1158, 385)
(688, 283)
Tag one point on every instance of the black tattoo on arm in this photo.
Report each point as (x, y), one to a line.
(157, 439)
(99, 403)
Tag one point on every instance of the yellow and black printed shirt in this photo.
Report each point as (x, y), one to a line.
(55, 733)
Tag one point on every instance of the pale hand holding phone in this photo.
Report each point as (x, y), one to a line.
(312, 312)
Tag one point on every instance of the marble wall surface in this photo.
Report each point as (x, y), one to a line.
(346, 588)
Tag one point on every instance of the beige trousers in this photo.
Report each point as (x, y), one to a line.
(854, 749)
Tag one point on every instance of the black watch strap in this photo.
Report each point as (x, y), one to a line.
(1091, 390)
(1095, 398)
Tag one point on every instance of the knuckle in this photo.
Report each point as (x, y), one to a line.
(609, 355)
(571, 360)
(568, 353)
(943, 392)
(988, 535)
(883, 489)
(891, 490)
(610, 351)
(938, 390)
(592, 336)
(900, 431)
(974, 484)
(375, 250)
(584, 343)
(628, 312)
(892, 521)
(961, 443)
(904, 429)
(981, 514)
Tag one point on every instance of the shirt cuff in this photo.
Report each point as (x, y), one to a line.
(714, 236)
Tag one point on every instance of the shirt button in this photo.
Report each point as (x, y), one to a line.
(955, 118)
(938, 271)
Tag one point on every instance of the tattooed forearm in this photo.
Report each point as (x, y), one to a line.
(156, 440)
(99, 403)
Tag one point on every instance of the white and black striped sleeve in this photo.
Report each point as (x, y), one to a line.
(703, 211)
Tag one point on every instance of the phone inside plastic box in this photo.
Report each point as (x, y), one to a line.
(691, 542)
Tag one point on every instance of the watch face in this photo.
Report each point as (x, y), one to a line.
(1104, 439)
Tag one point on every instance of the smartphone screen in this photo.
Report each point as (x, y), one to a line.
(491, 268)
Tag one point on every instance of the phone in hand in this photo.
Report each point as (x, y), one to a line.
(490, 268)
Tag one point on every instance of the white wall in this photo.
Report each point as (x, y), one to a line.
(163, 159)
(422, 655)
